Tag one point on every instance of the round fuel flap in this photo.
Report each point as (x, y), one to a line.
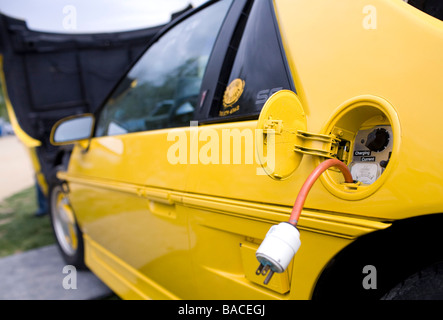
(280, 119)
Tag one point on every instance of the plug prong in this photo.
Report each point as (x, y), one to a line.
(268, 278)
(265, 269)
(259, 269)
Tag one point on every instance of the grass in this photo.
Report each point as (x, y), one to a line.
(20, 230)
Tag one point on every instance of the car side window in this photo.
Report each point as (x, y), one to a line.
(259, 68)
(161, 90)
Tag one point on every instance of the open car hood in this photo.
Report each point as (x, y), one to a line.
(50, 76)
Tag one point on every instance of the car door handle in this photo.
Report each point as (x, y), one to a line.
(160, 202)
(165, 210)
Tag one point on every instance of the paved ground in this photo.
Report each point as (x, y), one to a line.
(38, 275)
(16, 171)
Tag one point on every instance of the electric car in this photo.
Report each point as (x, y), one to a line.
(255, 150)
(50, 76)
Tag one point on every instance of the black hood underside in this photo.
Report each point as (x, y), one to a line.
(50, 76)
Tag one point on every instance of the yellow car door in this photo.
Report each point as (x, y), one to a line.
(123, 189)
(229, 196)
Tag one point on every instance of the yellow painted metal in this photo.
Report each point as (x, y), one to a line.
(21, 134)
(216, 225)
(280, 119)
(120, 189)
(322, 145)
(161, 216)
(161, 230)
(335, 58)
(328, 223)
(122, 278)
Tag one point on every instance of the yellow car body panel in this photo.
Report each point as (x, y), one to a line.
(27, 140)
(154, 229)
(135, 214)
(132, 209)
(30, 143)
(198, 217)
(334, 58)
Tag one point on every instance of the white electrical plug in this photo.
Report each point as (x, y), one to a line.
(277, 249)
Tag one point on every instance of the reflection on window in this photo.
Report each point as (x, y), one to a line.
(162, 89)
(259, 68)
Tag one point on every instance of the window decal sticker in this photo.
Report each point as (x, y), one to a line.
(233, 92)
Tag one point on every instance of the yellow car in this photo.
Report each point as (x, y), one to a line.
(265, 150)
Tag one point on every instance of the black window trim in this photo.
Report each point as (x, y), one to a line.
(216, 64)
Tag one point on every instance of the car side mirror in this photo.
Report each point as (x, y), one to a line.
(72, 129)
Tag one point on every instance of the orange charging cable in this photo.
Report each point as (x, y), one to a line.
(322, 167)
